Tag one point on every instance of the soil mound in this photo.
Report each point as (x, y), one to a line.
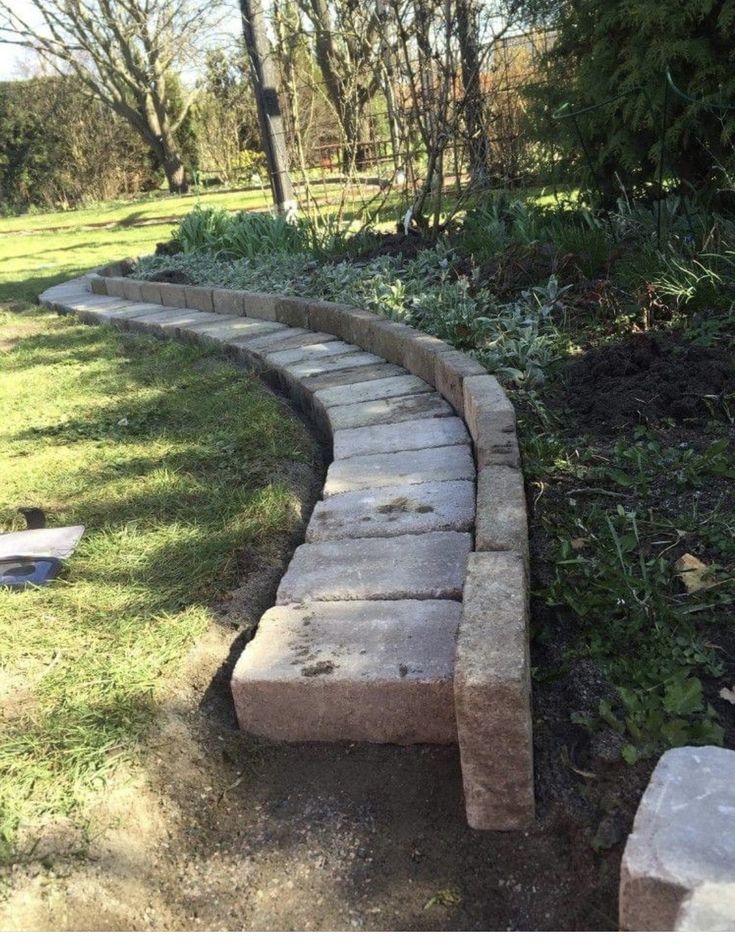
(647, 378)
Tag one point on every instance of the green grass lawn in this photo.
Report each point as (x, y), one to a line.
(170, 457)
(37, 250)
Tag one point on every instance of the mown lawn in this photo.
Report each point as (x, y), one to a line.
(173, 461)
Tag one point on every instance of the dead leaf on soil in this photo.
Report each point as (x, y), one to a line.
(447, 898)
(694, 573)
(728, 694)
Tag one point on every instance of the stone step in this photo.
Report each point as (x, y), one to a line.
(401, 509)
(446, 463)
(389, 410)
(410, 567)
(376, 671)
(399, 437)
(398, 386)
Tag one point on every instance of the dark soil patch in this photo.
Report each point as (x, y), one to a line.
(408, 246)
(647, 378)
(171, 276)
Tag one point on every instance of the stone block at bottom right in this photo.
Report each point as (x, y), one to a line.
(678, 868)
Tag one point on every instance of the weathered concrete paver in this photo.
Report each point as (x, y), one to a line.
(229, 329)
(683, 837)
(492, 693)
(309, 352)
(351, 374)
(400, 385)
(283, 339)
(323, 365)
(360, 670)
(409, 567)
(400, 437)
(388, 410)
(407, 509)
(380, 470)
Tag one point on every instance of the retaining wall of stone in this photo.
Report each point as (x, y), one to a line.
(492, 691)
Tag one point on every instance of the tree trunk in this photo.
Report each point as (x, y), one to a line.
(264, 77)
(473, 105)
(175, 172)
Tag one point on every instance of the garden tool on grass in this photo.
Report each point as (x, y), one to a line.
(33, 557)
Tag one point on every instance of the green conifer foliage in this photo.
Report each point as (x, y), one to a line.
(610, 48)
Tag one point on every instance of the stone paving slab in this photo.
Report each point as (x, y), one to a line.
(324, 365)
(183, 324)
(396, 386)
(399, 469)
(351, 374)
(410, 567)
(389, 410)
(382, 512)
(154, 321)
(283, 339)
(231, 329)
(683, 837)
(400, 437)
(310, 352)
(134, 316)
(376, 671)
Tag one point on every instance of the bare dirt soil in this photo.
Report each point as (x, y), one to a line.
(214, 830)
(646, 378)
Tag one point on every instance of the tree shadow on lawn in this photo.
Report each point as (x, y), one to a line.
(266, 836)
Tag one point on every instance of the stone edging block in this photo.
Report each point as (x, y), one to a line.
(492, 678)
(492, 693)
(682, 845)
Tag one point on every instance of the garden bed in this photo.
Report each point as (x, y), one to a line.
(627, 439)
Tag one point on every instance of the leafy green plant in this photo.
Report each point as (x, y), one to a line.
(636, 625)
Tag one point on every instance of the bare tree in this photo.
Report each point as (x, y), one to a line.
(126, 53)
(347, 47)
(264, 79)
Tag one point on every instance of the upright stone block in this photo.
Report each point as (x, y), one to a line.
(683, 839)
(150, 292)
(421, 353)
(388, 340)
(173, 295)
(358, 325)
(132, 290)
(451, 369)
(227, 301)
(492, 693)
(199, 296)
(98, 285)
(293, 312)
(491, 420)
(501, 523)
(115, 285)
(260, 305)
(328, 317)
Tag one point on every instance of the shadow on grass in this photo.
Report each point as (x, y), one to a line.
(190, 478)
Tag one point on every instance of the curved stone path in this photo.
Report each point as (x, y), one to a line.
(403, 616)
